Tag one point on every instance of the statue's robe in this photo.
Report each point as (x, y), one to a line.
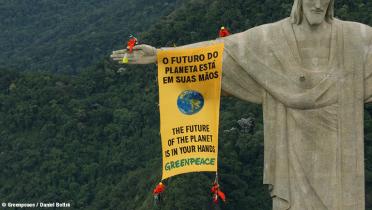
(313, 120)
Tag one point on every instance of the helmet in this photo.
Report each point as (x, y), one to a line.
(222, 27)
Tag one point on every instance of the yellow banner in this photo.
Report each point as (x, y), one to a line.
(189, 99)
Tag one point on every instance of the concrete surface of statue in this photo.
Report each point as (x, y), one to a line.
(312, 73)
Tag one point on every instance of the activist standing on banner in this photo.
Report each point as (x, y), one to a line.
(312, 73)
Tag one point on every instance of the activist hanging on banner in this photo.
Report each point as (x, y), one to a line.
(189, 100)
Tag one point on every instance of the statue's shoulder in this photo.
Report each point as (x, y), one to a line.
(268, 27)
(351, 24)
(355, 29)
(355, 35)
(265, 30)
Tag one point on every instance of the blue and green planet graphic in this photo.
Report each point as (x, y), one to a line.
(190, 102)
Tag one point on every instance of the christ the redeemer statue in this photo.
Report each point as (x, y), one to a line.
(312, 74)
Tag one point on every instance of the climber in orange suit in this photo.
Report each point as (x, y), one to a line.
(224, 32)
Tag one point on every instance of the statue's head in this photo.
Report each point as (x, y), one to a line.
(315, 11)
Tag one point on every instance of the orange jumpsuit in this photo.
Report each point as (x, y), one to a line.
(131, 43)
(217, 193)
(224, 32)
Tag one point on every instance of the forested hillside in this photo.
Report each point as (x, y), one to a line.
(66, 36)
(92, 139)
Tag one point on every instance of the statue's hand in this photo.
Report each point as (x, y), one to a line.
(141, 54)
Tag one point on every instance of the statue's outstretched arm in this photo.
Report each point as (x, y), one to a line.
(141, 54)
(146, 54)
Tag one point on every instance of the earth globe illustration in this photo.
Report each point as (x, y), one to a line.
(190, 102)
